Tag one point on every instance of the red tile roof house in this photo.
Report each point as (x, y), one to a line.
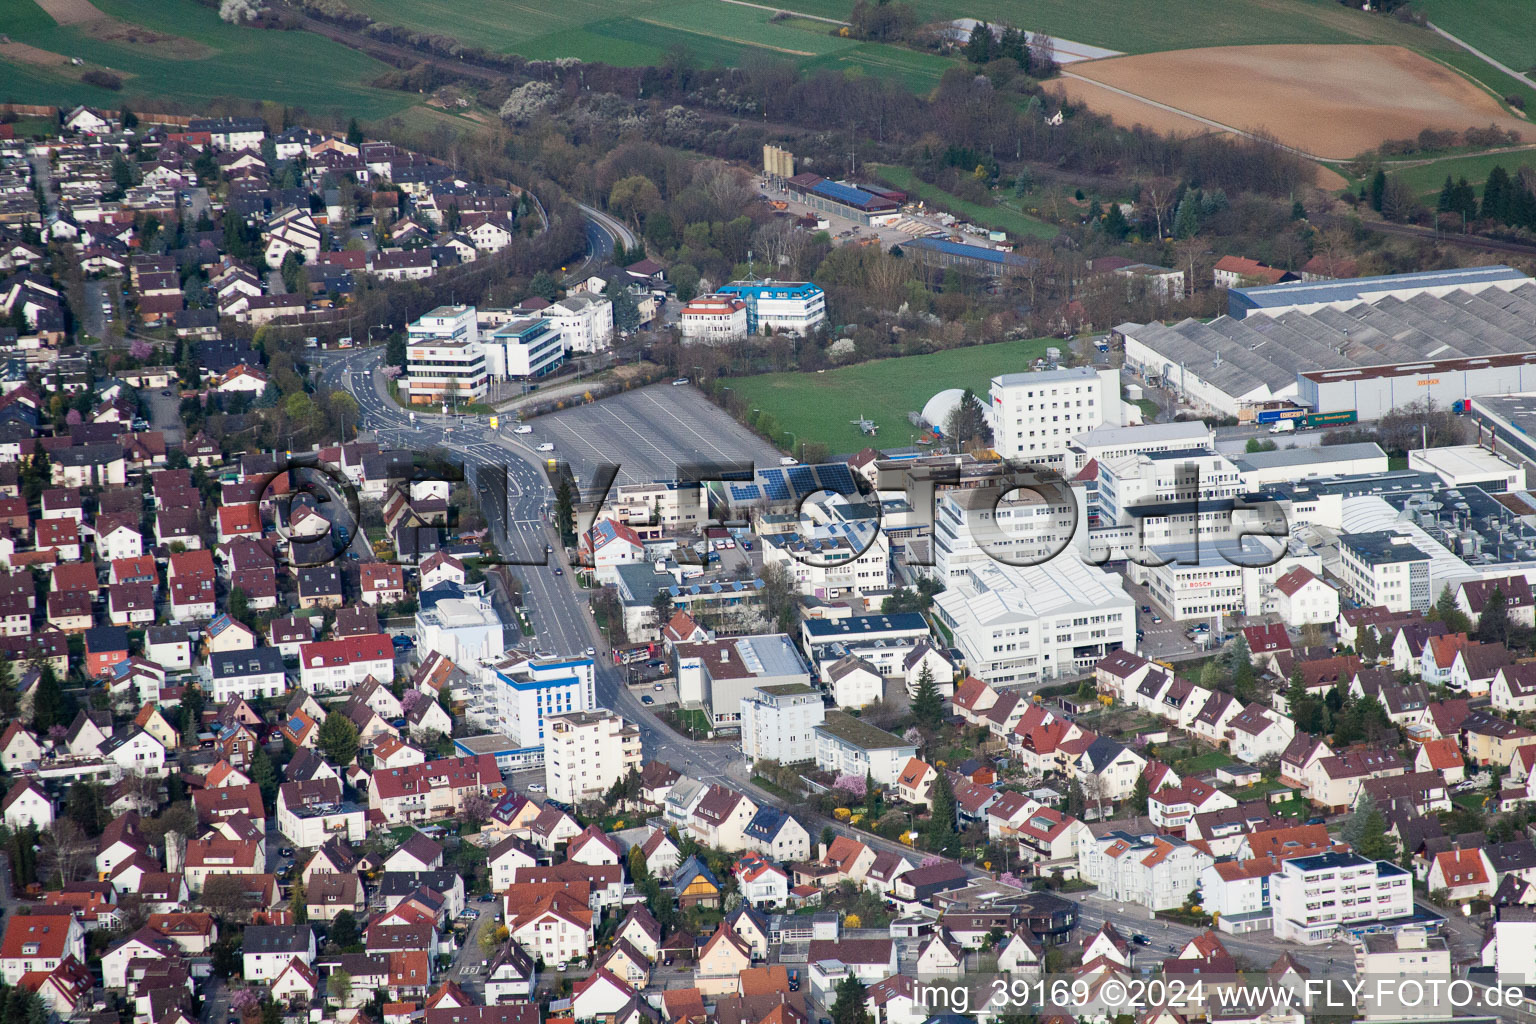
(381, 583)
(131, 604)
(334, 666)
(62, 536)
(435, 789)
(39, 942)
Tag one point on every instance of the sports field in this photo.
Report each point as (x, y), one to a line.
(640, 32)
(819, 406)
(180, 49)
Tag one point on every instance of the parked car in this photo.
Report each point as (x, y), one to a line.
(680, 382)
(522, 428)
(647, 699)
(657, 687)
(402, 641)
(535, 787)
(546, 447)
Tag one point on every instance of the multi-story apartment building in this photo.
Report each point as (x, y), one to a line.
(711, 319)
(516, 694)
(335, 666)
(586, 752)
(1315, 897)
(584, 321)
(1036, 415)
(779, 721)
(1385, 568)
(826, 560)
(444, 360)
(1155, 871)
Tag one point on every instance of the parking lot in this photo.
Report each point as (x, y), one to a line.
(1165, 639)
(649, 433)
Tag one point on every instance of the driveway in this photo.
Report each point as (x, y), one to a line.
(164, 412)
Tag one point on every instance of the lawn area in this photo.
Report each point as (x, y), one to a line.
(202, 59)
(997, 218)
(1500, 28)
(639, 32)
(1204, 762)
(818, 406)
(1426, 179)
(1135, 27)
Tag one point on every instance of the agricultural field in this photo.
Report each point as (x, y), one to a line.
(179, 49)
(1500, 28)
(998, 218)
(637, 32)
(819, 406)
(1330, 101)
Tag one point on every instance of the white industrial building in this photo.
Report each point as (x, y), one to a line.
(1018, 624)
(984, 524)
(528, 348)
(793, 307)
(779, 722)
(713, 319)
(515, 694)
(1225, 577)
(1036, 415)
(1386, 568)
(444, 360)
(1350, 346)
(825, 560)
(1469, 465)
(1114, 442)
(1260, 469)
(1163, 498)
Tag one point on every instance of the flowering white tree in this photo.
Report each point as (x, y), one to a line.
(237, 11)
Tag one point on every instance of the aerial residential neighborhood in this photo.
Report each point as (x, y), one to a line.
(866, 513)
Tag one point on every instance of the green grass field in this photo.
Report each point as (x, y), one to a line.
(638, 32)
(1136, 26)
(818, 406)
(1426, 179)
(1503, 29)
(998, 218)
(293, 68)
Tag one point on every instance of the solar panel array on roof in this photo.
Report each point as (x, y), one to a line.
(746, 492)
(978, 252)
(774, 485)
(836, 477)
(850, 195)
(802, 480)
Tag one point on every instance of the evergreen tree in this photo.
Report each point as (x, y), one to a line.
(545, 285)
(1378, 189)
(1115, 224)
(978, 49)
(1140, 794)
(1368, 645)
(343, 931)
(1447, 199)
(128, 118)
(296, 902)
(939, 831)
(354, 133)
(1493, 624)
(848, 1007)
(264, 776)
(639, 870)
(927, 702)
(50, 704)
(337, 739)
(1186, 222)
(1445, 611)
(565, 512)
(1497, 195)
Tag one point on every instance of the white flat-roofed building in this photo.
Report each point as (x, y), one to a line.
(779, 722)
(882, 640)
(527, 348)
(983, 524)
(514, 695)
(717, 675)
(794, 307)
(847, 746)
(1035, 416)
(825, 560)
(444, 371)
(465, 630)
(1225, 578)
(1115, 442)
(1259, 469)
(586, 752)
(1019, 624)
(1316, 897)
(1386, 568)
(1467, 465)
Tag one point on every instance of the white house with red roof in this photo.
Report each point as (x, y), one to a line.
(1172, 808)
(1442, 756)
(336, 666)
(1514, 688)
(761, 882)
(1303, 598)
(1046, 834)
(594, 846)
(915, 783)
(26, 804)
(1463, 874)
(433, 789)
(39, 942)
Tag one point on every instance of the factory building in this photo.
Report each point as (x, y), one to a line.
(860, 204)
(1364, 354)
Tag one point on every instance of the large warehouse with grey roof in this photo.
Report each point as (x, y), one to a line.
(1444, 336)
